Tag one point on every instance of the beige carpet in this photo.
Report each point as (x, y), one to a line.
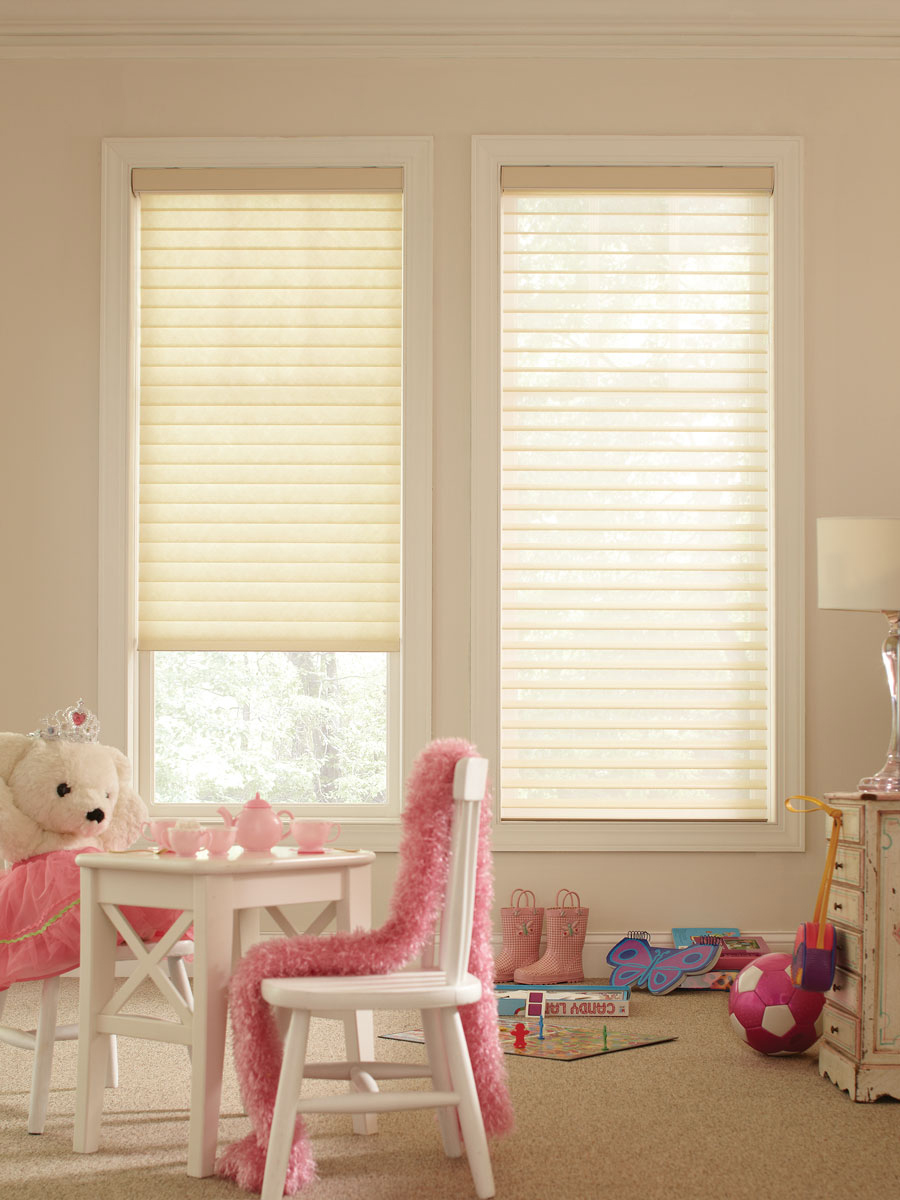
(699, 1117)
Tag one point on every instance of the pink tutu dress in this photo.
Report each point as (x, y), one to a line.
(40, 917)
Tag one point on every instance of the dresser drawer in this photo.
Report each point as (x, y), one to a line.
(853, 827)
(849, 949)
(848, 867)
(841, 1030)
(845, 905)
(846, 991)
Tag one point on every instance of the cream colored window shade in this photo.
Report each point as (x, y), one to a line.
(270, 414)
(639, 179)
(635, 563)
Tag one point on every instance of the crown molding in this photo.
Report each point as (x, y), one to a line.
(471, 38)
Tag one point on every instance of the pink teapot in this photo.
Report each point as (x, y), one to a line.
(258, 826)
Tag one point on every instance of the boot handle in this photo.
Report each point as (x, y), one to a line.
(566, 894)
(521, 903)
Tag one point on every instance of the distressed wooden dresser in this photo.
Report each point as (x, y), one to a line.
(860, 1050)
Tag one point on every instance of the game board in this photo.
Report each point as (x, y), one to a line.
(560, 1042)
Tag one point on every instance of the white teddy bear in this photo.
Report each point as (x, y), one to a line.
(62, 793)
(60, 789)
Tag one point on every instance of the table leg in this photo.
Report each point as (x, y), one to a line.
(98, 982)
(249, 933)
(213, 933)
(354, 911)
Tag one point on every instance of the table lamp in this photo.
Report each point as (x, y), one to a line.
(859, 569)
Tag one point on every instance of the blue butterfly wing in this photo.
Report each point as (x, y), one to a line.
(672, 965)
(631, 960)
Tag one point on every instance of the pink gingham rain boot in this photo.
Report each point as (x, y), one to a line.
(521, 924)
(566, 929)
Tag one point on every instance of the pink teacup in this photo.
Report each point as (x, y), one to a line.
(158, 831)
(186, 842)
(221, 839)
(312, 835)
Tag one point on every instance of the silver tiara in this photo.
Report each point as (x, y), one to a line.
(73, 724)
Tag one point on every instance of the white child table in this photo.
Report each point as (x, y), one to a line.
(222, 898)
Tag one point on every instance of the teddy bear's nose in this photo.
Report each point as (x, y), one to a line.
(96, 814)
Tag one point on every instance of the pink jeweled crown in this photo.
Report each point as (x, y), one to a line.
(73, 724)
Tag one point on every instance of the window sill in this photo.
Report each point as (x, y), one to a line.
(679, 837)
(581, 837)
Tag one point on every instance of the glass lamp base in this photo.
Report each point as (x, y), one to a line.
(886, 782)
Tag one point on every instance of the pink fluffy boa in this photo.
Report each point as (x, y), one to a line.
(415, 906)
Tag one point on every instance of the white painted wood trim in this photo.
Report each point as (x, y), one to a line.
(787, 448)
(795, 33)
(416, 157)
(783, 831)
(115, 607)
(598, 944)
(117, 699)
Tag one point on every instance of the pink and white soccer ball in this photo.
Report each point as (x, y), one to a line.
(769, 1013)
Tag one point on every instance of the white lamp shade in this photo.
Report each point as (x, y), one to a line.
(859, 563)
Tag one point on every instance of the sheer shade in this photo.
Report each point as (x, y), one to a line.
(270, 420)
(635, 508)
(639, 179)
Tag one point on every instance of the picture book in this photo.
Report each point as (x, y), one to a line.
(687, 935)
(737, 949)
(660, 969)
(717, 981)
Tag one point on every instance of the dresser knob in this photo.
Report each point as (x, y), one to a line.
(835, 1029)
(836, 906)
(839, 866)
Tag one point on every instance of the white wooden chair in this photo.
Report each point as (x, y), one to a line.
(42, 1040)
(437, 993)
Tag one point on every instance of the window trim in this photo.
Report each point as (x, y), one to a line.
(117, 676)
(783, 831)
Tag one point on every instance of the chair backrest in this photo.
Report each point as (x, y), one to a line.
(469, 783)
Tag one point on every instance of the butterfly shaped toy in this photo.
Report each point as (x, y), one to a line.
(660, 968)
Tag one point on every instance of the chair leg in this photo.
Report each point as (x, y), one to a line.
(112, 1063)
(44, 1040)
(281, 1134)
(179, 976)
(470, 1118)
(440, 1075)
(359, 1046)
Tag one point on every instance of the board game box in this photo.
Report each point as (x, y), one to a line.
(565, 1000)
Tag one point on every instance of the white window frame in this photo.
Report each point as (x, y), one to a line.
(118, 678)
(783, 830)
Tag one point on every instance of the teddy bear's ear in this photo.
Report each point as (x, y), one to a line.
(130, 812)
(19, 836)
(12, 747)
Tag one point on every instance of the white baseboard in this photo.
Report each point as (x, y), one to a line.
(598, 945)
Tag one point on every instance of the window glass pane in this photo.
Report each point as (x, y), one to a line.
(300, 728)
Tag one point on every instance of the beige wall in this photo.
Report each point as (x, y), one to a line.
(53, 115)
